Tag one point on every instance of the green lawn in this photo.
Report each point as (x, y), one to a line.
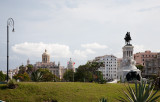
(61, 91)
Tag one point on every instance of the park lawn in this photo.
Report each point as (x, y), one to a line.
(62, 92)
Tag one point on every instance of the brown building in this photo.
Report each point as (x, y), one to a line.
(152, 66)
(141, 57)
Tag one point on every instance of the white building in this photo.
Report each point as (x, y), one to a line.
(110, 69)
(70, 65)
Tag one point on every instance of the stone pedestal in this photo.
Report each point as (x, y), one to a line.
(128, 70)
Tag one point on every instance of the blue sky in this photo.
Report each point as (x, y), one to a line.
(80, 29)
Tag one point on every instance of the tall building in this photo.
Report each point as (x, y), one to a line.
(110, 69)
(70, 65)
(141, 57)
(53, 68)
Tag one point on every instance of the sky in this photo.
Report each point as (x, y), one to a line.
(77, 29)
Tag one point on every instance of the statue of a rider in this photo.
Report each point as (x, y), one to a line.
(128, 38)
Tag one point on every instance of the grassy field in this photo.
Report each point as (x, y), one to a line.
(61, 91)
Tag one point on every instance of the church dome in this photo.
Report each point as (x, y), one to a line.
(45, 53)
(45, 57)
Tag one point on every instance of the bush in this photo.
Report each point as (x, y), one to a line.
(12, 84)
(102, 81)
(36, 76)
(103, 100)
(22, 77)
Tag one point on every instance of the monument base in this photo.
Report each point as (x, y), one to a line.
(129, 75)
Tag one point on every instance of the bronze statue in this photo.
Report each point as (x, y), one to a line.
(128, 38)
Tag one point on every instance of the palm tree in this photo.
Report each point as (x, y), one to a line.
(142, 93)
(36, 76)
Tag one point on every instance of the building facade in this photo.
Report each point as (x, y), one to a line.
(141, 57)
(110, 69)
(152, 66)
(53, 68)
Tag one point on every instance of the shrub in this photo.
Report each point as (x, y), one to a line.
(36, 76)
(102, 81)
(103, 100)
(22, 77)
(12, 84)
(142, 93)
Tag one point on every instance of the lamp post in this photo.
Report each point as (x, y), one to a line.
(10, 23)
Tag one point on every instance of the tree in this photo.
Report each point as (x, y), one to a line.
(69, 75)
(83, 74)
(140, 67)
(89, 72)
(22, 77)
(46, 74)
(2, 76)
(55, 78)
(29, 69)
(98, 76)
(22, 69)
(93, 67)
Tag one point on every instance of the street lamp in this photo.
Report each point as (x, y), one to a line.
(10, 22)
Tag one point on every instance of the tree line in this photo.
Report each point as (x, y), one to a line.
(84, 73)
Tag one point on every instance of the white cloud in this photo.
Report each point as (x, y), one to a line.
(36, 49)
(93, 46)
(55, 50)
(82, 54)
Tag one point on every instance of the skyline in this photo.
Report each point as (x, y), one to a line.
(78, 29)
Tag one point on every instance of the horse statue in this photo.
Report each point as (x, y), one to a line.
(128, 38)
